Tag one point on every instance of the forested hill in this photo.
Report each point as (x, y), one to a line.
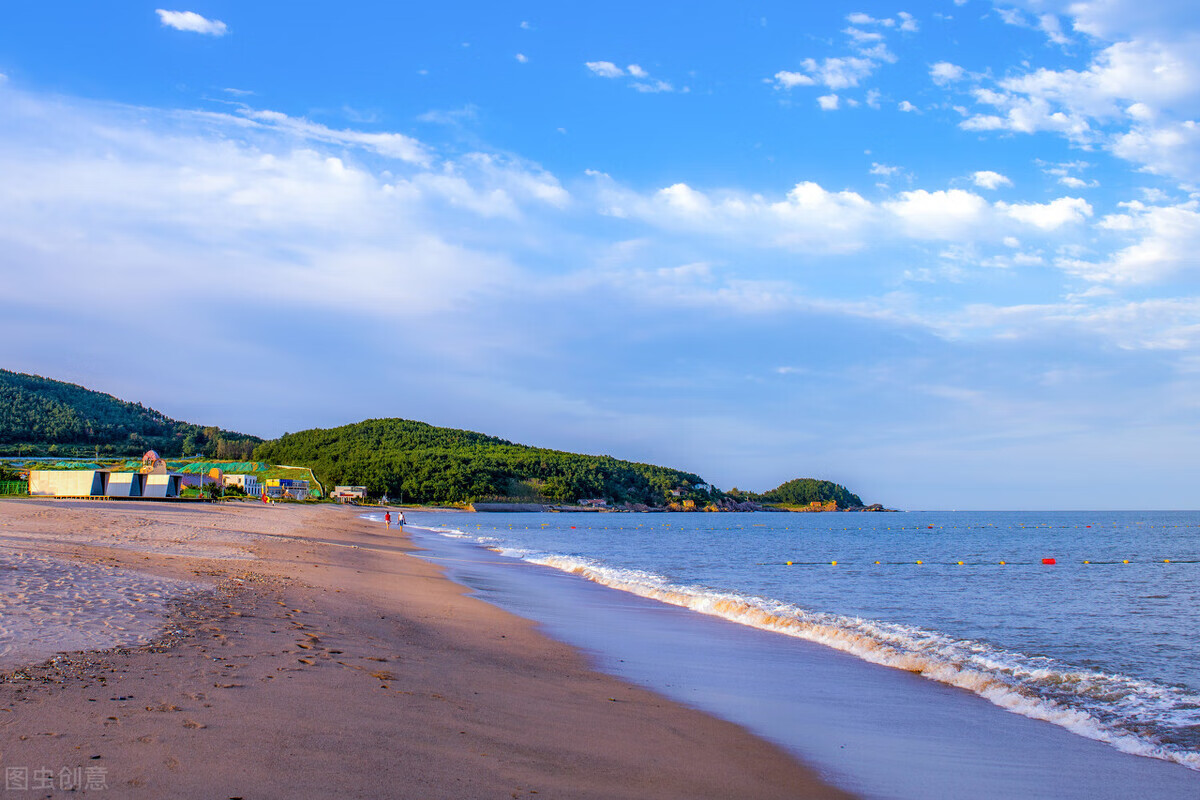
(425, 464)
(802, 491)
(40, 416)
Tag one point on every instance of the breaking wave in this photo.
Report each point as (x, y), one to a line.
(1136, 716)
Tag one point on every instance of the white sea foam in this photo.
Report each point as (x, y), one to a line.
(1128, 713)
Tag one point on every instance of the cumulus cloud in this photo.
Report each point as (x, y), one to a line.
(868, 41)
(1165, 240)
(786, 80)
(1172, 149)
(942, 214)
(987, 179)
(906, 106)
(605, 69)
(1049, 216)
(839, 73)
(1050, 25)
(809, 217)
(642, 82)
(192, 22)
(1136, 97)
(828, 102)
(652, 87)
(944, 73)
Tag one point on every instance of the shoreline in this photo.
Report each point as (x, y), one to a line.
(335, 662)
(874, 729)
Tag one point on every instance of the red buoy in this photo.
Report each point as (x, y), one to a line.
(1049, 561)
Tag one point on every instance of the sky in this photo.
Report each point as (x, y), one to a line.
(944, 253)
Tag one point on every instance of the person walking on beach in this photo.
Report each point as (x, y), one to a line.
(387, 520)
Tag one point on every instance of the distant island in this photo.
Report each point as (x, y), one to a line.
(403, 460)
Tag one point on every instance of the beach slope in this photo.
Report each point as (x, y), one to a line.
(333, 663)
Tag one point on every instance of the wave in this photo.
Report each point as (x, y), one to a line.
(1136, 716)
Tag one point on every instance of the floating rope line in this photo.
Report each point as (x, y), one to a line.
(1049, 562)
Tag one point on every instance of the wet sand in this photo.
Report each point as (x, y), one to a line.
(333, 663)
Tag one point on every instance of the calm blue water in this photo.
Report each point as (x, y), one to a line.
(1106, 650)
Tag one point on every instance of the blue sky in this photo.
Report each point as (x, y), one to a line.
(944, 253)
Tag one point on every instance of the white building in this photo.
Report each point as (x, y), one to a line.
(247, 483)
(347, 494)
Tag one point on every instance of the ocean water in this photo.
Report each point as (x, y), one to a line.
(1102, 643)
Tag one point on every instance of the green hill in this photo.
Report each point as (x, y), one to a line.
(425, 464)
(40, 416)
(802, 491)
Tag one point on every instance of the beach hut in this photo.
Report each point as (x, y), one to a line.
(67, 482)
(124, 484)
(161, 485)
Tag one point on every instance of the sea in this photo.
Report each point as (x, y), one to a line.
(1063, 646)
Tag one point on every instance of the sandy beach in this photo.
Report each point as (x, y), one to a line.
(305, 653)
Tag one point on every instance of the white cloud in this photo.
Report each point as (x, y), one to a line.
(391, 145)
(1049, 216)
(828, 102)
(654, 86)
(642, 81)
(861, 37)
(906, 106)
(839, 73)
(605, 69)
(1077, 183)
(944, 73)
(1011, 16)
(786, 80)
(885, 170)
(192, 22)
(808, 218)
(1136, 98)
(522, 58)
(1167, 238)
(990, 180)
(1050, 25)
(908, 23)
(943, 214)
(859, 18)
(1172, 149)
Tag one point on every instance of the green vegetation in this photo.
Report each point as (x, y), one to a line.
(425, 464)
(802, 492)
(406, 460)
(44, 417)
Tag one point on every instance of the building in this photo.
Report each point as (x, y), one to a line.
(289, 488)
(124, 484)
(102, 483)
(159, 484)
(67, 482)
(349, 494)
(247, 483)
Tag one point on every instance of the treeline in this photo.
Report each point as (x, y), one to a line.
(801, 492)
(421, 463)
(40, 416)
